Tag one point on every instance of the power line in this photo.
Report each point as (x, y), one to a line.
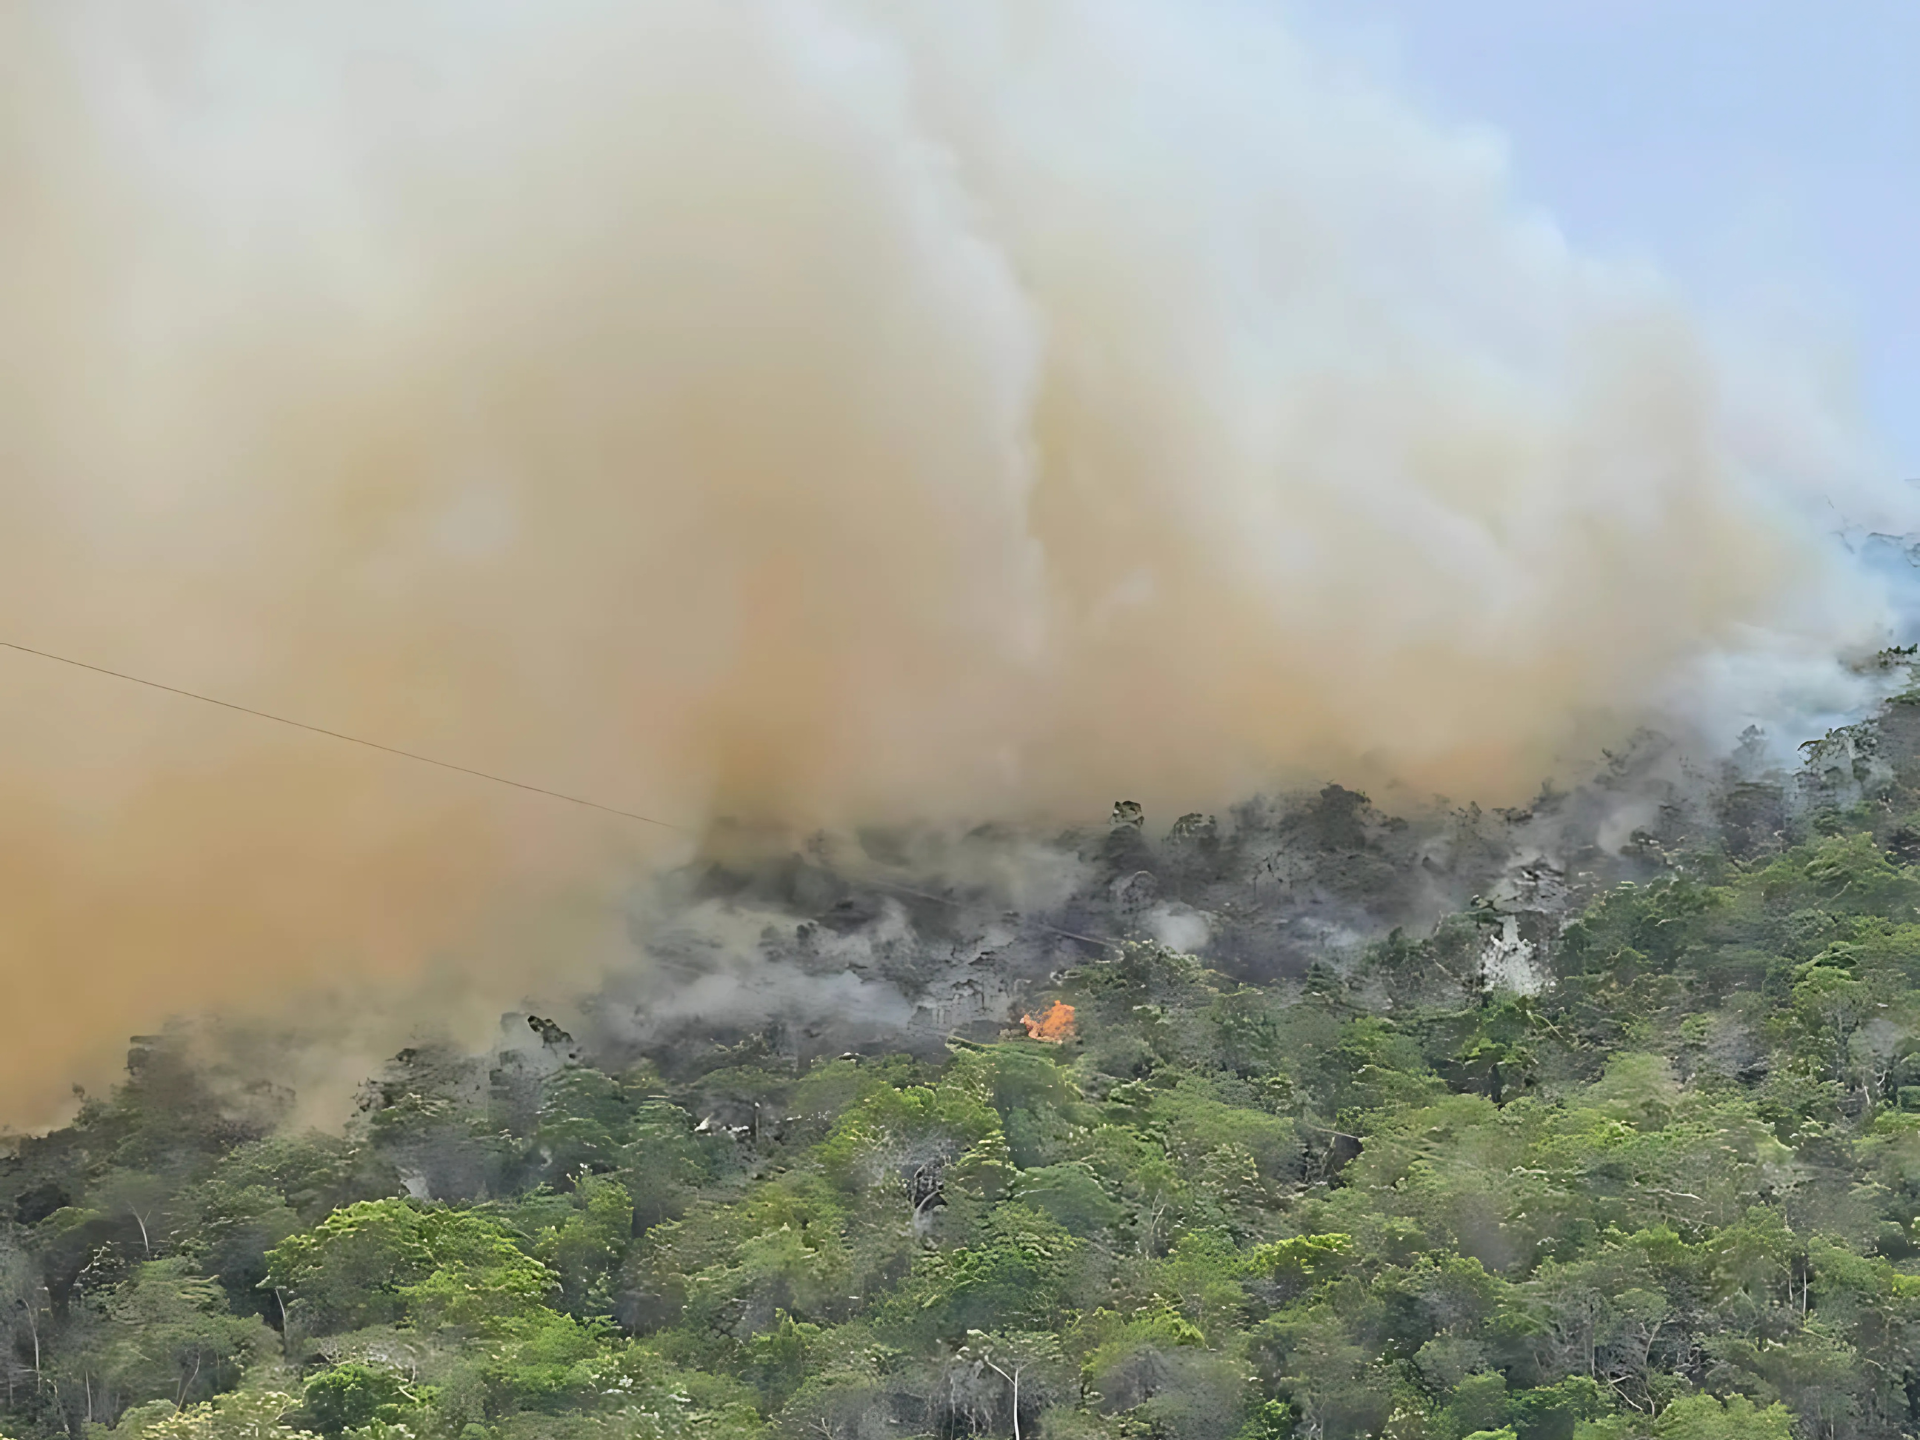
(338, 735)
(476, 774)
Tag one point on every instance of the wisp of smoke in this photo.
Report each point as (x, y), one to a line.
(812, 412)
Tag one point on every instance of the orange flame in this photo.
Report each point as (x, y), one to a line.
(1055, 1027)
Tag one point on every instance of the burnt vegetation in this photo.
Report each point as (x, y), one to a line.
(1520, 1125)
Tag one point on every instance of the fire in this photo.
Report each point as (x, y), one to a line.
(1055, 1027)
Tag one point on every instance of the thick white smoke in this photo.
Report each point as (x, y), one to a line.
(811, 411)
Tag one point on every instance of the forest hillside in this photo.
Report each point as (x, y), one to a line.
(1650, 1170)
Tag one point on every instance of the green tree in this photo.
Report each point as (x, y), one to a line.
(169, 1335)
(383, 1261)
(351, 1395)
(255, 1415)
(24, 1318)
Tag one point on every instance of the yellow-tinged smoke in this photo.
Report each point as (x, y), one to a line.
(812, 411)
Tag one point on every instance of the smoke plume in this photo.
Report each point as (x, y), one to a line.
(813, 412)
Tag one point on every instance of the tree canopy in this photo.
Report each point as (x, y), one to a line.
(1669, 1192)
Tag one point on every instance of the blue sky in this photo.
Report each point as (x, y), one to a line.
(1766, 154)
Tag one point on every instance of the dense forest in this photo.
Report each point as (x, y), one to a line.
(1653, 1173)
